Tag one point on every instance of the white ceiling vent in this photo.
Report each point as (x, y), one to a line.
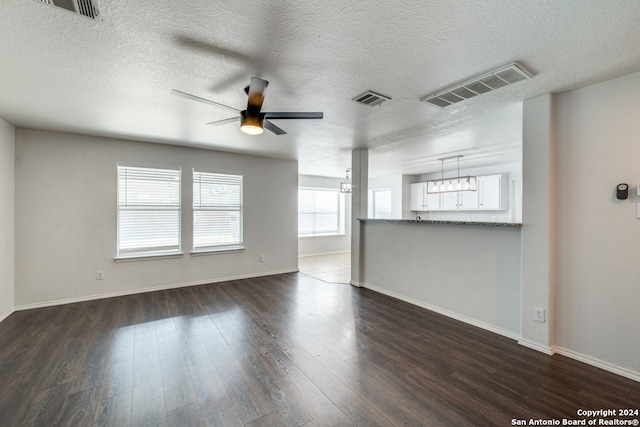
(478, 85)
(88, 8)
(370, 98)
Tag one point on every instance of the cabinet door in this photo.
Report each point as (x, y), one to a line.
(449, 201)
(490, 192)
(417, 196)
(432, 200)
(469, 200)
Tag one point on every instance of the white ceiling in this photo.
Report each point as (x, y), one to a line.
(64, 72)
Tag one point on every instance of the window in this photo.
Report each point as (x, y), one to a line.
(148, 211)
(381, 201)
(320, 211)
(217, 211)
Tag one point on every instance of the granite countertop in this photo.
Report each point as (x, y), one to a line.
(426, 221)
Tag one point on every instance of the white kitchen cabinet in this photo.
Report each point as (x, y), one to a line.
(460, 201)
(450, 201)
(420, 200)
(416, 196)
(492, 192)
(491, 195)
(468, 200)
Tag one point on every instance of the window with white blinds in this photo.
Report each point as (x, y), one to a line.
(381, 201)
(217, 211)
(320, 211)
(148, 211)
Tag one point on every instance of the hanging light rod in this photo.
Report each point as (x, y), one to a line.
(453, 184)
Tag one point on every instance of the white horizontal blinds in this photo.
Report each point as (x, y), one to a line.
(318, 211)
(217, 211)
(148, 211)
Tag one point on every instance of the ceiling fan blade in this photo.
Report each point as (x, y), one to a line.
(256, 95)
(299, 115)
(273, 128)
(203, 100)
(224, 121)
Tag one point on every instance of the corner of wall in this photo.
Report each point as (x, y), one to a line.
(537, 219)
(7, 218)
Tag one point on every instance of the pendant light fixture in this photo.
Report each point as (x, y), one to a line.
(345, 186)
(453, 184)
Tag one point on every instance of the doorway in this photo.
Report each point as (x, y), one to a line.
(332, 268)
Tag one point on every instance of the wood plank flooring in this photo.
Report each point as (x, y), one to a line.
(280, 350)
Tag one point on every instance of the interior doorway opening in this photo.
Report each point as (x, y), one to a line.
(332, 268)
(324, 229)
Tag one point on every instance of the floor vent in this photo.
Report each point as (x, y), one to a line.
(371, 99)
(478, 85)
(86, 8)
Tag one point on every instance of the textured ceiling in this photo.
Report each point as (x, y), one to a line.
(64, 72)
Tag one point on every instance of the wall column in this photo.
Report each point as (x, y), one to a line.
(359, 196)
(538, 223)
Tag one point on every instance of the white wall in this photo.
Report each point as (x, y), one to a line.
(598, 237)
(318, 245)
(7, 151)
(65, 225)
(467, 272)
(538, 222)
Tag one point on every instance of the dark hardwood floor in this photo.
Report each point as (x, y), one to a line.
(280, 350)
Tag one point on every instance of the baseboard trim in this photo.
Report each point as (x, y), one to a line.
(6, 314)
(356, 284)
(145, 290)
(469, 320)
(550, 351)
(618, 370)
(324, 253)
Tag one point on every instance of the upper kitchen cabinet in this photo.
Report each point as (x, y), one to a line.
(491, 195)
(420, 200)
(492, 192)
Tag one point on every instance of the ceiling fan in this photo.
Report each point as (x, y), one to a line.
(253, 121)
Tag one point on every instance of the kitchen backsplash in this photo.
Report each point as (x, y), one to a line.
(468, 216)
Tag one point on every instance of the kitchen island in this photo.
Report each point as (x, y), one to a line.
(470, 271)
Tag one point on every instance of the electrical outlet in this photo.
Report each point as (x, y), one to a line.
(261, 258)
(538, 314)
(100, 275)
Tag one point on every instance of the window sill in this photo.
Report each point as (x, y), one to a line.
(147, 257)
(228, 250)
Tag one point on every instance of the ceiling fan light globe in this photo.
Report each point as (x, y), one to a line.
(251, 125)
(251, 129)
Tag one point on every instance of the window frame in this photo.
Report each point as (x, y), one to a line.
(147, 252)
(226, 247)
(340, 213)
(374, 204)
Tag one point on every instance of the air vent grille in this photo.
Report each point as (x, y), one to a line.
(486, 82)
(370, 99)
(86, 8)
